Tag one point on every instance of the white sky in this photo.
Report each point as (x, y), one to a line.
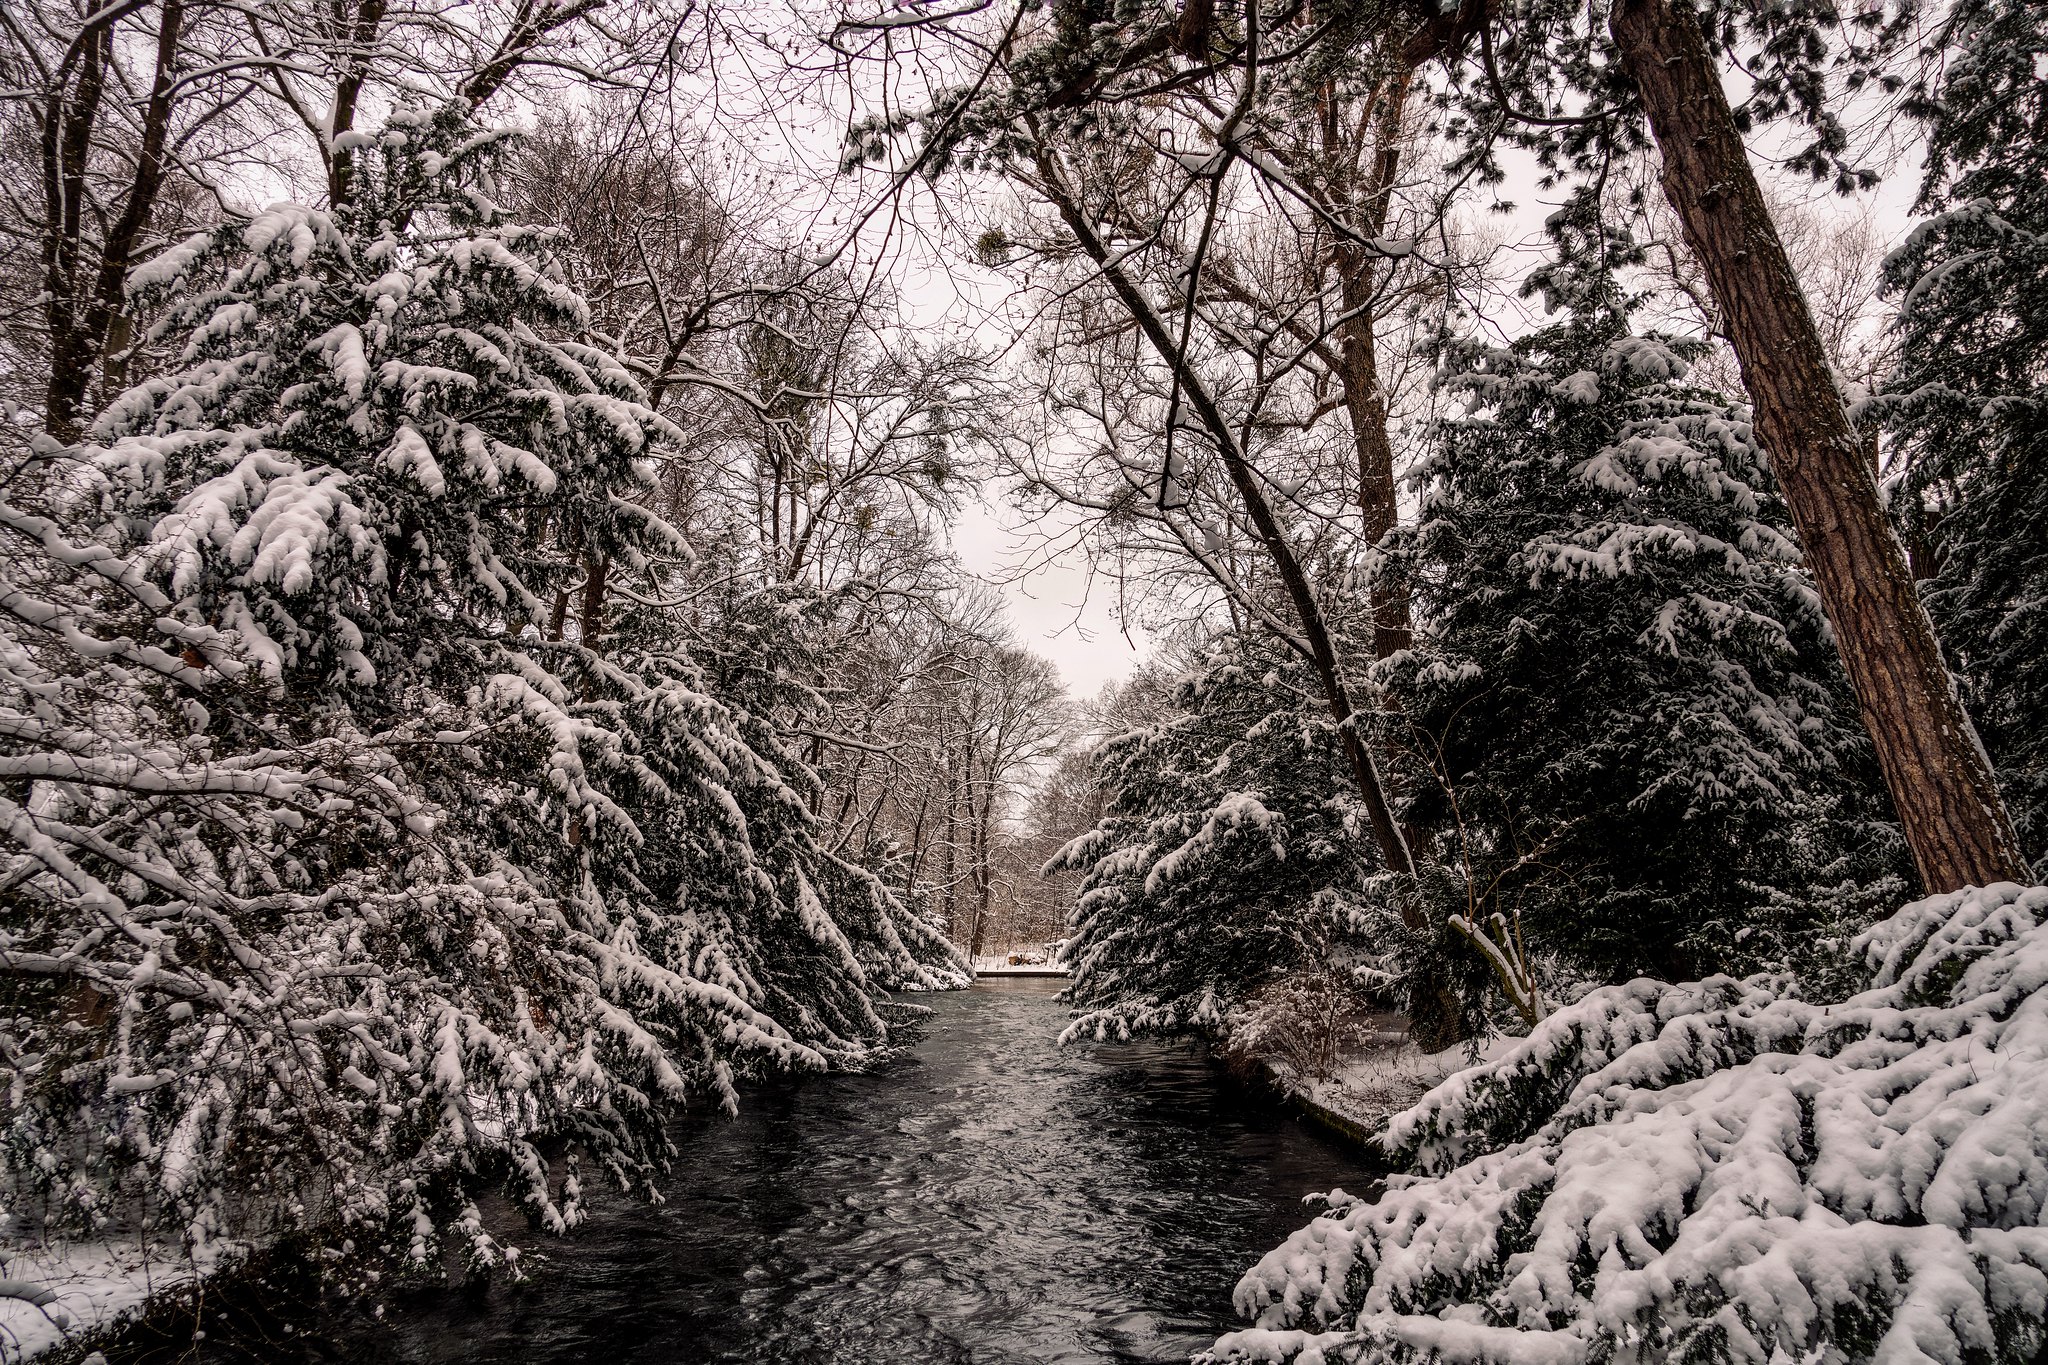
(1056, 610)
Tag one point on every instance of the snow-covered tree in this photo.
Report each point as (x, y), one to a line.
(1231, 853)
(1970, 397)
(1622, 719)
(251, 983)
(753, 649)
(1717, 1171)
(382, 445)
(346, 870)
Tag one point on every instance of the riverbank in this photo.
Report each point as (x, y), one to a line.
(72, 1297)
(1371, 1085)
(1017, 964)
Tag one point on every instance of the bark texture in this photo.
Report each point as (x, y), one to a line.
(83, 300)
(1939, 777)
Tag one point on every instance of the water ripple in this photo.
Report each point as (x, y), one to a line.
(983, 1199)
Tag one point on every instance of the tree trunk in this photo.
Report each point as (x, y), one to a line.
(917, 844)
(983, 819)
(107, 323)
(67, 126)
(952, 848)
(1937, 773)
(1321, 653)
(558, 615)
(367, 28)
(1367, 407)
(1365, 399)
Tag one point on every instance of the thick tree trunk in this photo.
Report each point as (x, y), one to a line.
(67, 127)
(367, 27)
(87, 322)
(1939, 778)
(1367, 407)
(558, 615)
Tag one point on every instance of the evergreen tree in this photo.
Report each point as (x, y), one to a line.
(398, 876)
(1970, 399)
(1231, 853)
(1721, 1172)
(1622, 720)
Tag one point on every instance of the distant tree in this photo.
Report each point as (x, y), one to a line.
(1060, 805)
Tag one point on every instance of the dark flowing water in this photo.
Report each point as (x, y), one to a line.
(984, 1198)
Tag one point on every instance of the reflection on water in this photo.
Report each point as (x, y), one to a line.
(985, 1198)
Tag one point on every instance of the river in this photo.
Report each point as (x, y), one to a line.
(985, 1198)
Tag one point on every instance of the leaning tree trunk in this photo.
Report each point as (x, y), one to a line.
(1940, 780)
(1322, 654)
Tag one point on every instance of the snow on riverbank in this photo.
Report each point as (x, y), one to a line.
(1019, 964)
(91, 1286)
(1378, 1080)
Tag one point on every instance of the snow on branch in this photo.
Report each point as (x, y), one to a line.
(1720, 1170)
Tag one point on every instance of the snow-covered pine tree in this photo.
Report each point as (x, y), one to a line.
(1970, 397)
(248, 990)
(1717, 1172)
(1622, 720)
(822, 933)
(1231, 853)
(541, 886)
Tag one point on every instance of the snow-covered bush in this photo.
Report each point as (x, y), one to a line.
(1717, 1171)
(345, 871)
(1304, 1021)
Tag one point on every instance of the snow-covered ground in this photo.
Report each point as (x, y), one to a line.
(1037, 963)
(93, 1284)
(1381, 1078)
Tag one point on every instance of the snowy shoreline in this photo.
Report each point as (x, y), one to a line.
(1847, 1179)
(95, 1289)
(1385, 1077)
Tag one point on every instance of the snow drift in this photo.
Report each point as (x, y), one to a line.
(1719, 1170)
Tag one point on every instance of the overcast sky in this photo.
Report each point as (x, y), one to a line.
(1059, 610)
(1055, 610)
